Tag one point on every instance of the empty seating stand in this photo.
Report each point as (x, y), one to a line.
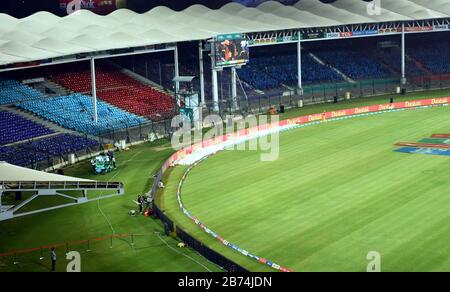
(434, 56)
(273, 72)
(120, 90)
(62, 144)
(11, 91)
(20, 156)
(29, 154)
(354, 64)
(16, 128)
(75, 112)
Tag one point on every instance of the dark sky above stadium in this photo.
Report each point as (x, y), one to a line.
(23, 8)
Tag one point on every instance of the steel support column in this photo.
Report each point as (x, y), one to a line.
(94, 90)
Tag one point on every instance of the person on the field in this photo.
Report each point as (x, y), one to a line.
(53, 258)
(324, 116)
(167, 229)
(147, 201)
(117, 145)
(140, 202)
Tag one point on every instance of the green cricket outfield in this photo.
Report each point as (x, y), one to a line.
(337, 191)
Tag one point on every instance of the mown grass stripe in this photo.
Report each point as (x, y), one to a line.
(335, 188)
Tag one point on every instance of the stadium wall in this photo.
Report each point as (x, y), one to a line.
(210, 146)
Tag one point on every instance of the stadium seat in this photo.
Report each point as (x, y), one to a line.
(272, 72)
(434, 56)
(119, 90)
(62, 144)
(16, 128)
(354, 64)
(75, 112)
(11, 91)
(29, 153)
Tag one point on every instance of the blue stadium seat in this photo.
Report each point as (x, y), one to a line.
(75, 112)
(16, 128)
(272, 72)
(21, 157)
(354, 64)
(62, 144)
(12, 91)
(434, 56)
(30, 153)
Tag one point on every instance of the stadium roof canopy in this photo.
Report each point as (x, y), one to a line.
(38, 183)
(44, 35)
(13, 173)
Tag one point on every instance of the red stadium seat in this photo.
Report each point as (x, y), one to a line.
(120, 90)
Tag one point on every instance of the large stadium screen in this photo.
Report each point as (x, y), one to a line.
(231, 50)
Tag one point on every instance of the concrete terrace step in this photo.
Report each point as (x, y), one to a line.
(318, 60)
(145, 81)
(32, 139)
(140, 78)
(378, 57)
(419, 65)
(57, 88)
(89, 94)
(36, 119)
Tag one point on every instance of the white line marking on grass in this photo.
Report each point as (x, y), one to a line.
(178, 252)
(132, 157)
(111, 178)
(158, 234)
(100, 209)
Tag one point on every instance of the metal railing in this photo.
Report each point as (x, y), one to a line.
(59, 185)
(259, 101)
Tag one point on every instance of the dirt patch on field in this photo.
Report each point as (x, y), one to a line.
(161, 148)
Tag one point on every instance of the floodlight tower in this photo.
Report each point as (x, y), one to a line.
(299, 67)
(403, 56)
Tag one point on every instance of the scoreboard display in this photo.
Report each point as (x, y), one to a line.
(230, 50)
